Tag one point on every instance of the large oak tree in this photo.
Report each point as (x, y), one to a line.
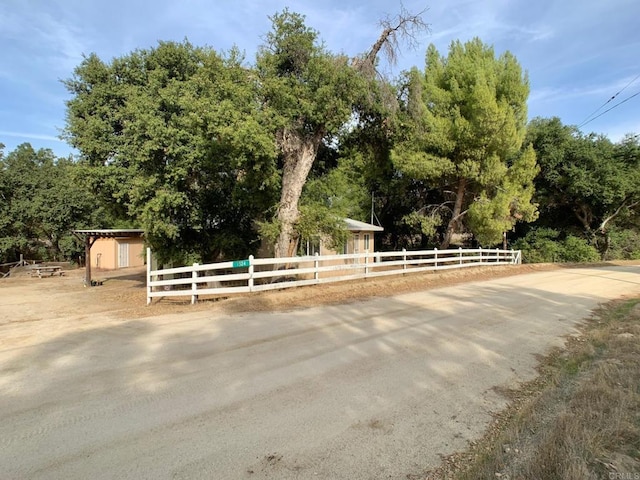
(312, 94)
(177, 138)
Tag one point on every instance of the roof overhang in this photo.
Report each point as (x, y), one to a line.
(357, 226)
(111, 233)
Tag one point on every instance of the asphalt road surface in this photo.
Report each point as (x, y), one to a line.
(373, 389)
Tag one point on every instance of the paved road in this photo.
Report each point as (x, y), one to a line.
(368, 390)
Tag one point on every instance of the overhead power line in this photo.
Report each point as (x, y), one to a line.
(609, 109)
(589, 119)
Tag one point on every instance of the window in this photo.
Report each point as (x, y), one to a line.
(366, 242)
(356, 243)
(310, 247)
(314, 246)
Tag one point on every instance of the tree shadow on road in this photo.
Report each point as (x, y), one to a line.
(409, 377)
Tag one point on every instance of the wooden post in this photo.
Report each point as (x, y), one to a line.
(88, 243)
(404, 259)
(87, 261)
(435, 256)
(316, 265)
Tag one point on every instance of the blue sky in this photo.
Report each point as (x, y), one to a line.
(578, 53)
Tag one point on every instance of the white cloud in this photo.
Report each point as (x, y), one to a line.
(32, 136)
(41, 39)
(603, 91)
(617, 132)
(66, 44)
(578, 53)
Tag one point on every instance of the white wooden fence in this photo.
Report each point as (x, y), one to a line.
(260, 274)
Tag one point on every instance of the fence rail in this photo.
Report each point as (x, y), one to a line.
(261, 274)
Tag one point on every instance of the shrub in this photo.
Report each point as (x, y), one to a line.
(575, 249)
(624, 245)
(539, 246)
(545, 245)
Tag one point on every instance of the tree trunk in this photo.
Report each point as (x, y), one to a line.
(299, 152)
(456, 215)
(584, 215)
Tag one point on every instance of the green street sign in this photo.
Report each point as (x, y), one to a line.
(240, 263)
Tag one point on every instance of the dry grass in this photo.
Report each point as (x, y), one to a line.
(580, 419)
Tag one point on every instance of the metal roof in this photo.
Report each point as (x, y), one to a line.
(357, 226)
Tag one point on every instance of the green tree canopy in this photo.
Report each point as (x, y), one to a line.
(586, 178)
(43, 199)
(310, 94)
(177, 137)
(313, 94)
(199, 149)
(461, 131)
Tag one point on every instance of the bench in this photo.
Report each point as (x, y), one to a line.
(47, 271)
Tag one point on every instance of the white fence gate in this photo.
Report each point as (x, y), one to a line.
(260, 274)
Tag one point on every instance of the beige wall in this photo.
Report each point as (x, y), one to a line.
(105, 252)
(358, 242)
(355, 244)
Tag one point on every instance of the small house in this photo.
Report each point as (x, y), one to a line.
(109, 249)
(361, 239)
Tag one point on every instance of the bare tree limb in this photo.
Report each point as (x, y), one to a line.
(460, 215)
(616, 213)
(404, 26)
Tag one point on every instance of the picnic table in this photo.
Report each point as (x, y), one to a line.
(46, 270)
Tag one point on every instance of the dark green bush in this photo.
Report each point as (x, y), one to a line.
(575, 249)
(545, 245)
(624, 245)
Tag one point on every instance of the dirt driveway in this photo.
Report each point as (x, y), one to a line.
(93, 384)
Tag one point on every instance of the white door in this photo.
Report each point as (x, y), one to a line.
(123, 255)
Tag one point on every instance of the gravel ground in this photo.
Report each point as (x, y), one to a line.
(93, 384)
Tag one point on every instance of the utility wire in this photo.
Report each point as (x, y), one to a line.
(608, 110)
(589, 119)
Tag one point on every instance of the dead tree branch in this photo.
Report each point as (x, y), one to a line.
(403, 27)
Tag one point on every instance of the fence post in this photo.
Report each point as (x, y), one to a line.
(194, 285)
(148, 276)
(497, 255)
(316, 265)
(250, 273)
(366, 263)
(435, 255)
(404, 259)
(460, 254)
(480, 255)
